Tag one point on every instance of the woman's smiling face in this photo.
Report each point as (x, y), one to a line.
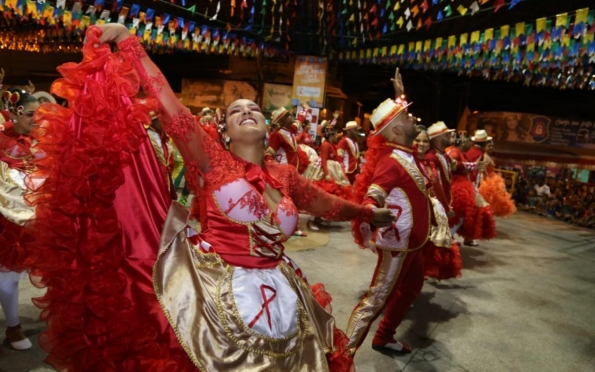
(245, 122)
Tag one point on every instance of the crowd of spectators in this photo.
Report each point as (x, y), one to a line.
(573, 203)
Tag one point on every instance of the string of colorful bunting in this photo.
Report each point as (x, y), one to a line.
(161, 33)
(557, 52)
(364, 20)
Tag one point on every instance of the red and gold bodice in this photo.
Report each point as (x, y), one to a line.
(239, 223)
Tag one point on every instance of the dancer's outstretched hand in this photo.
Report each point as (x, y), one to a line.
(382, 217)
(398, 84)
(113, 32)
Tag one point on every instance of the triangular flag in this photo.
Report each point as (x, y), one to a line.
(407, 13)
(498, 4)
(424, 6)
(439, 17)
(400, 22)
(462, 10)
(409, 25)
(474, 7)
(513, 3)
(414, 11)
(448, 10)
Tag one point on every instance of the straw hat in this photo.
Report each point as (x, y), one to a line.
(385, 113)
(46, 95)
(205, 111)
(438, 129)
(481, 136)
(351, 125)
(279, 114)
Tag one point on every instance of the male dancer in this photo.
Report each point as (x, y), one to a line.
(394, 180)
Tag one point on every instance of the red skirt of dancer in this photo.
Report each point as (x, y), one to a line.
(442, 263)
(478, 217)
(493, 190)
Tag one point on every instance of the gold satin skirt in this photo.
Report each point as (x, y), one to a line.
(198, 293)
(314, 172)
(440, 235)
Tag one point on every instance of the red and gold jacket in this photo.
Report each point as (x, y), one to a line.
(400, 184)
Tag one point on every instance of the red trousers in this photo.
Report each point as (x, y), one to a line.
(397, 281)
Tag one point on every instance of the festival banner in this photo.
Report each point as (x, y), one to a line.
(276, 96)
(309, 80)
(532, 128)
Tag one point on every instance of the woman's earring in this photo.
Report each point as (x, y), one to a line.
(227, 141)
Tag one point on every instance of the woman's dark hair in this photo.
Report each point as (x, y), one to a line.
(328, 132)
(15, 98)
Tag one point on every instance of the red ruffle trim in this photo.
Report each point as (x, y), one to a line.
(14, 242)
(304, 160)
(79, 251)
(442, 263)
(494, 192)
(478, 222)
(331, 187)
(340, 360)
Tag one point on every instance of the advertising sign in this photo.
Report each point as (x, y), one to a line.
(276, 96)
(309, 80)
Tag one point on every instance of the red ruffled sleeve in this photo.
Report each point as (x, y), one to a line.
(314, 200)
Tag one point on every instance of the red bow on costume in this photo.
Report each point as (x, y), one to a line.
(259, 177)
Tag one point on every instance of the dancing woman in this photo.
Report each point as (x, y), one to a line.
(16, 159)
(229, 293)
(492, 187)
(442, 258)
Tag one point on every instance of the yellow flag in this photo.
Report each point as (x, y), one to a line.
(464, 38)
(427, 45)
(418, 46)
(452, 41)
(400, 22)
(147, 35)
(475, 36)
(131, 31)
(520, 28)
(48, 12)
(561, 20)
(101, 22)
(397, 6)
(67, 18)
(462, 10)
(341, 56)
(401, 49)
(411, 46)
(489, 34)
(581, 15)
(540, 24)
(504, 31)
(566, 40)
(86, 22)
(393, 50)
(32, 8)
(384, 50)
(352, 18)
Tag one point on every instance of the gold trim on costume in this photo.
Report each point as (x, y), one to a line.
(375, 299)
(377, 193)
